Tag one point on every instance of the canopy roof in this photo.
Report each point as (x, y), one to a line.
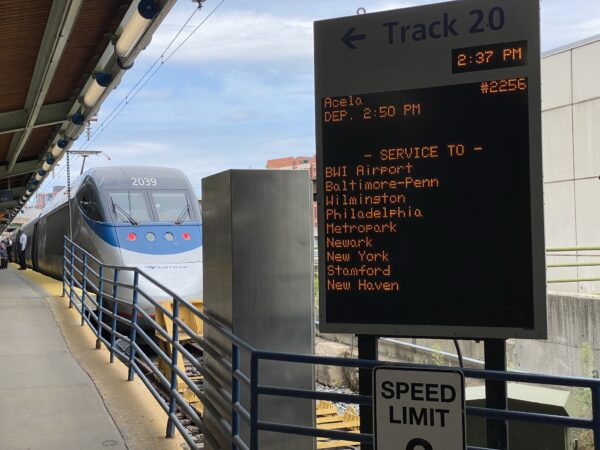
(53, 53)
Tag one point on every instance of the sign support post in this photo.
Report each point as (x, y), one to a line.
(496, 393)
(367, 349)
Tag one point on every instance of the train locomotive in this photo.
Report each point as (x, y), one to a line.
(145, 217)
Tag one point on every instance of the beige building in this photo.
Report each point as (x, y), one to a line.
(571, 149)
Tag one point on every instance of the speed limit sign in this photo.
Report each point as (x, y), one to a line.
(418, 409)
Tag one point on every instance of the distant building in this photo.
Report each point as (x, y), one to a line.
(571, 149)
(42, 199)
(24, 216)
(290, 162)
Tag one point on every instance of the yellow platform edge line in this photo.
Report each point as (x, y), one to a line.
(124, 400)
(51, 286)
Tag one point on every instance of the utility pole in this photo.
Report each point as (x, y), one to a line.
(85, 153)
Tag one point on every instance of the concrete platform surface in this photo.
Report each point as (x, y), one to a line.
(56, 391)
(46, 400)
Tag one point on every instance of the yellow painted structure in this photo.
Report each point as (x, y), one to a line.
(166, 323)
(328, 418)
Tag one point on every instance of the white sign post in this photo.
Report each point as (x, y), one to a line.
(418, 409)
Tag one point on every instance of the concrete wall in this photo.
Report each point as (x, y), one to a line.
(571, 149)
(572, 327)
(394, 352)
(572, 347)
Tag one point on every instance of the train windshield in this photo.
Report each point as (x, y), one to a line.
(172, 206)
(129, 206)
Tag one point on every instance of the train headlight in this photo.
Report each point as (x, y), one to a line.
(169, 236)
(131, 237)
(186, 236)
(150, 237)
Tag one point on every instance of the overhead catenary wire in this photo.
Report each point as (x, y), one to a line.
(116, 111)
(57, 175)
(125, 99)
(138, 86)
(148, 75)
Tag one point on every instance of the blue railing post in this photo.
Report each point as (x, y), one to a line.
(72, 271)
(100, 302)
(83, 287)
(134, 315)
(596, 414)
(174, 356)
(253, 402)
(113, 324)
(64, 285)
(235, 395)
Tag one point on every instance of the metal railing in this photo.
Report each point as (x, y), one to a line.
(105, 295)
(259, 390)
(566, 251)
(111, 297)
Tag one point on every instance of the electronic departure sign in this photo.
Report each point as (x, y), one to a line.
(429, 171)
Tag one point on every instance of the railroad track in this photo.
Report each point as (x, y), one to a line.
(340, 421)
(186, 420)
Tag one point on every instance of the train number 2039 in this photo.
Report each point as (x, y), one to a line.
(143, 181)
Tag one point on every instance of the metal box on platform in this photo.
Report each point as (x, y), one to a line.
(258, 279)
(532, 399)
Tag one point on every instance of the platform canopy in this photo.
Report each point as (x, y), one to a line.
(59, 60)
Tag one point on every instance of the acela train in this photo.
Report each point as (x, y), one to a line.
(146, 217)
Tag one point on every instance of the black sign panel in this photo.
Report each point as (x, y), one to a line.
(412, 211)
(429, 171)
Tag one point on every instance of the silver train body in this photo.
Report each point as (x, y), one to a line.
(145, 217)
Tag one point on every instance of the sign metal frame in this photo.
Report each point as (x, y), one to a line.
(365, 54)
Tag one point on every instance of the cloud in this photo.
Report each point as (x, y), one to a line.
(240, 36)
(387, 5)
(279, 34)
(273, 31)
(240, 91)
(239, 115)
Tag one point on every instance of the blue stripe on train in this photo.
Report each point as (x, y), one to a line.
(116, 234)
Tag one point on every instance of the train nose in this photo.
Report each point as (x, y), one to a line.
(184, 279)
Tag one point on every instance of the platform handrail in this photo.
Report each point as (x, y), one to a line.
(99, 292)
(581, 248)
(259, 390)
(218, 326)
(560, 251)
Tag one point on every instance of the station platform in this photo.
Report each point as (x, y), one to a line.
(57, 391)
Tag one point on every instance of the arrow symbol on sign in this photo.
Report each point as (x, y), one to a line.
(349, 39)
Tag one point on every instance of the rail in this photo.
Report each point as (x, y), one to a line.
(568, 252)
(258, 390)
(114, 302)
(110, 300)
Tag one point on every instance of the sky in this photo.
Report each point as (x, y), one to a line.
(240, 91)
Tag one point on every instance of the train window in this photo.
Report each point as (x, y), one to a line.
(89, 205)
(172, 206)
(129, 206)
